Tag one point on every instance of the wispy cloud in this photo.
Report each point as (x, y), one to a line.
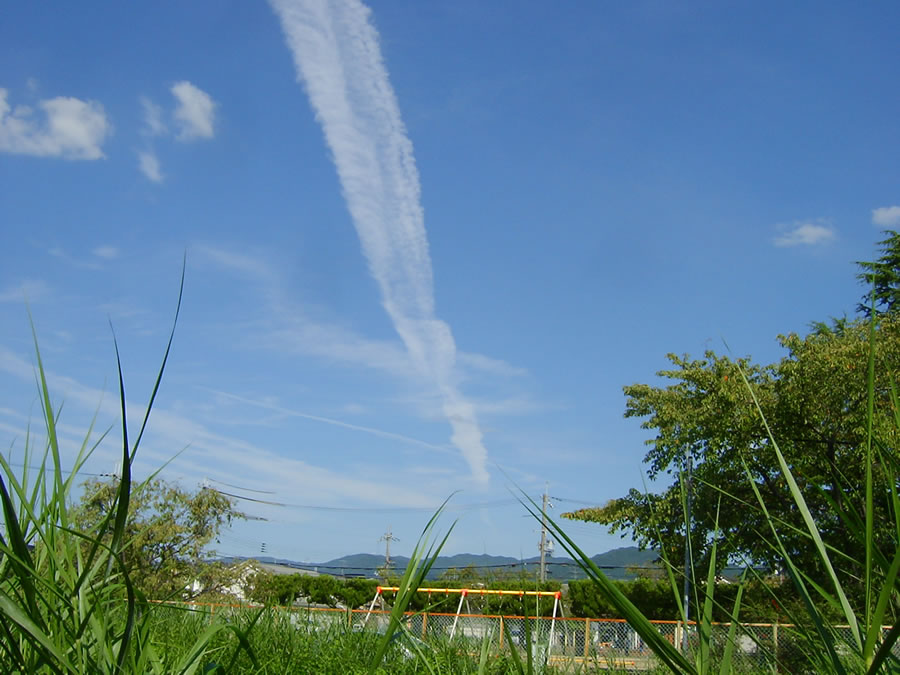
(338, 59)
(148, 163)
(69, 128)
(214, 454)
(490, 365)
(82, 263)
(195, 112)
(805, 234)
(290, 328)
(106, 252)
(30, 290)
(153, 118)
(886, 216)
(254, 267)
(287, 412)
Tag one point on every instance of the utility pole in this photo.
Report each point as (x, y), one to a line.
(387, 538)
(543, 543)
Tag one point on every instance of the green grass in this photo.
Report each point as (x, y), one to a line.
(281, 645)
(67, 604)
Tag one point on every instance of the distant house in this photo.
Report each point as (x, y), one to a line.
(241, 573)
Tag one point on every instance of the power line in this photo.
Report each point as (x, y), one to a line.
(525, 564)
(239, 487)
(69, 471)
(372, 509)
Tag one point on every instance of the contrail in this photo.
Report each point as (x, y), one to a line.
(338, 61)
(326, 420)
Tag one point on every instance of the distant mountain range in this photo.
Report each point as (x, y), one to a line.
(615, 563)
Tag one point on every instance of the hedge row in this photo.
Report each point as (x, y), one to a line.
(654, 597)
(285, 589)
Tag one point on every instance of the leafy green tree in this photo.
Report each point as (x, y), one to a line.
(354, 593)
(167, 533)
(882, 277)
(814, 400)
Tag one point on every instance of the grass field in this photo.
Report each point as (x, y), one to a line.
(68, 604)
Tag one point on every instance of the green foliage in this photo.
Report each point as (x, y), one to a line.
(166, 534)
(507, 605)
(882, 277)
(67, 601)
(285, 589)
(814, 401)
(355, 593)
(848, 416)
(653, 597)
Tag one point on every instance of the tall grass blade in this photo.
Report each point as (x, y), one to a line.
(485, 652)
(800, 502)
(825, 638)
(869, 646)
(12, 610)
(705, 622)
(731, 640)
(529, 651)
(49, 419)
(243, 642)
(20, 558)
(420, 563)
(885, 651)
(165, 359)
(662, 648)
(513, 652)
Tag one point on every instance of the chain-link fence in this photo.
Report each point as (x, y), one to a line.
(575, 643)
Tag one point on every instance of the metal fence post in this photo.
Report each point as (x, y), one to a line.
(424, 623)
(587, 636)
(501, 633)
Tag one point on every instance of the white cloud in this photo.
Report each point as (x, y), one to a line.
(29, 290)
(338, 59)
(148, 163)
(217, 455)
(194, 112)
(106, 252)
(70, 128)
(886, 216)
(80, 262)
(257, 269)
(153, 118)
(331, 421)
(805, 234)
(490, 365)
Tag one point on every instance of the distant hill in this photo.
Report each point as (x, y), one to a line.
(614, 563)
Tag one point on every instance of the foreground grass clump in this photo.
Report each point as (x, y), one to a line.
(67, 602)
(292, 643)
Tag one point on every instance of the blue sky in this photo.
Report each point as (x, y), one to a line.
(427, 243)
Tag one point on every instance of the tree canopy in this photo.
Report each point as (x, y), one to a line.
(814, 400)
(882, 277)
(168, 531)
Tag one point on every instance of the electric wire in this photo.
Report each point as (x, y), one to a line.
(371, 509)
